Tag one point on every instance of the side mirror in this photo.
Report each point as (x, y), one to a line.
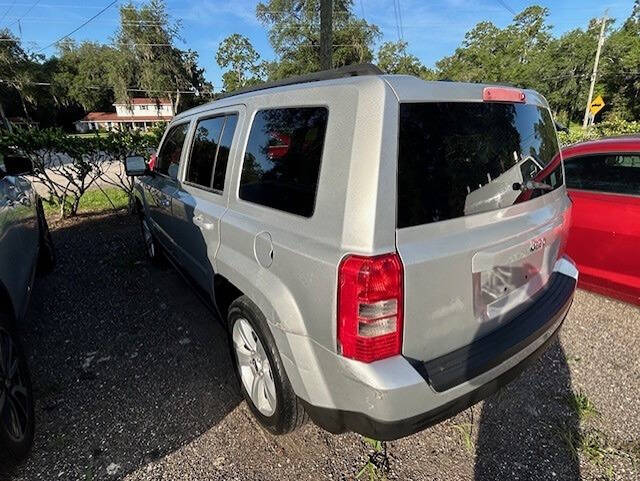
(135, 166)
(15, 164)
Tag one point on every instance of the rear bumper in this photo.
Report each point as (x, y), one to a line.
(459, 379)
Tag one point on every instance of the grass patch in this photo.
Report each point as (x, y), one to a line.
(582, 405)
(377, 467)
(591, 443)
(466, 435)
(94, 200)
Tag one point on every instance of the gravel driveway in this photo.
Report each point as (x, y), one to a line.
(133, 381)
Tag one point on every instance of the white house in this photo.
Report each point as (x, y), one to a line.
(140, 113)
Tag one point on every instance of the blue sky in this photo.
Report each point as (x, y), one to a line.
(432, 28)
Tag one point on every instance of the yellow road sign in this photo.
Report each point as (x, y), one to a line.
(597, 105)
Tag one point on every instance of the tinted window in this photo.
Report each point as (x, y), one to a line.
(616, 173)
(204, 150)
(282, 161)
(459, 159)
(168, 159)
(223, 152)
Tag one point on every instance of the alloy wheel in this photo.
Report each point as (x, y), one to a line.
(148, 239)
(14, 395)
(254, 367)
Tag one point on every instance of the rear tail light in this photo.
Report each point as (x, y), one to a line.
(370, 297)
(503, 94)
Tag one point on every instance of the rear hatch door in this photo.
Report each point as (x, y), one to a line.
(482, 217)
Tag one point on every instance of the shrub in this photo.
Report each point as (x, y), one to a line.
(117, 146)
(607, 128)
(68, 165)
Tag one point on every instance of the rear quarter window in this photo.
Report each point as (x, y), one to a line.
(463, 158)
(282, 160)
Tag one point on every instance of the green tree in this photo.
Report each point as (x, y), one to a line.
(146, 44)
(393, 58)
(85, 75)
(18, 72)
(237, 53)
(564, 72)
(491, 54)
(294, 34)
(620, 80)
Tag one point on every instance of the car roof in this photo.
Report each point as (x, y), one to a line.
(622, 143)
(407, 88)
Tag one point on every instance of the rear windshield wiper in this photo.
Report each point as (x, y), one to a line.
(531, 185)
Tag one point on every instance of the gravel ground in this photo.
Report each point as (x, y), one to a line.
(133, 381)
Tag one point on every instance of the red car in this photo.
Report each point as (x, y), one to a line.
(603, 179)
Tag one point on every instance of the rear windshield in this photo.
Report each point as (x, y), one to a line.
(458, 159)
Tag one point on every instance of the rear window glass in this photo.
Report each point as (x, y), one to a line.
(460, 158)
(282, 160)
(614, 173)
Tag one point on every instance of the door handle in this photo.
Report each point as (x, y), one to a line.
(200, 222)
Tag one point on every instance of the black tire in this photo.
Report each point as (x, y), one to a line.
(47, 252)
(289, 412)
(16, 398)
(152, 249)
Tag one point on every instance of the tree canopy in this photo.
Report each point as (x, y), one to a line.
(145, 59)
(294, 33)
(237, 53)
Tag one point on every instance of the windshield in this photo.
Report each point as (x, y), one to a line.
(463, 158)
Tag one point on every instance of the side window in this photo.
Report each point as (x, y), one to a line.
(282, 161)
(203, 152)
(168, 160)
(615, 173)
(223, 152)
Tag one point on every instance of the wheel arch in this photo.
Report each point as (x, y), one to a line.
(281, 311)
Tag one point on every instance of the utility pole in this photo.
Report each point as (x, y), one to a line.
(594, 75)
(326, 34)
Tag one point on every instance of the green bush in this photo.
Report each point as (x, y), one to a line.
(68, 165)
(607, 128)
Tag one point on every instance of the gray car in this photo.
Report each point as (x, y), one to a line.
(385, 251)
(25, 244)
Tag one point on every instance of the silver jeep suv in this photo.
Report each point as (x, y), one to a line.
(386, 251)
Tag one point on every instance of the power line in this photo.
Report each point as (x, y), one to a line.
(24, 15)
(82, 25)
(400, 18)
(130, 89)
(509, 9)
(7, 11)
(395, 16)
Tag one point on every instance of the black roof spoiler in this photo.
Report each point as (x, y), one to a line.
(356, 70)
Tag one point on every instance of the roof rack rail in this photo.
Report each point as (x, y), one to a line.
(341, 72)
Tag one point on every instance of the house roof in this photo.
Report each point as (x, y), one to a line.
(145, 101)
(114, 117)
